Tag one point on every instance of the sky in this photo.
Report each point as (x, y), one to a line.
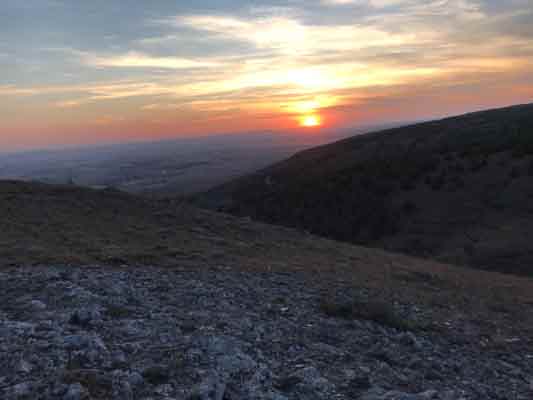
(80, 72)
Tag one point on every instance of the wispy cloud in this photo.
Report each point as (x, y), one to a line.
(372, 3)
(13, 90)
(291, 36)
(134, 59)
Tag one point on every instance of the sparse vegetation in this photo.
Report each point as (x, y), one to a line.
(118, 312)
(379, 311)
(515, 172)
(409, 207)
(98, 384)
(157, 375)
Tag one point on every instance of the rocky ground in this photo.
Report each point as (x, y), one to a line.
(221, 334)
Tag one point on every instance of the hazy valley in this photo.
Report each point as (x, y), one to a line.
(163, 168)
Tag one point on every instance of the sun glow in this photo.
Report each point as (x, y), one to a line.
(310, 121)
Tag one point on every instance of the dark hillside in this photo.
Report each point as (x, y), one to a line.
(458, 190)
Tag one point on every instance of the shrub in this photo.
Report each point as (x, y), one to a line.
(378, 311)
(457, 183)
(97, 383)
(156, 375)
(514, 173)
(409, 207)
(469, 249)
(408, 185)
(478, 164)
(438, 182)
(118, 312)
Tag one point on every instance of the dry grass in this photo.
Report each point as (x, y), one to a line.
(68, 225)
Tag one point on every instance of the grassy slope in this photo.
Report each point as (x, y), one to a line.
(69, 225)
(457, 190)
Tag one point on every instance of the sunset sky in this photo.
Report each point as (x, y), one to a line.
(77, 72)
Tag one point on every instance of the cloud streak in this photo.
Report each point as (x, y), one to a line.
(135, 59)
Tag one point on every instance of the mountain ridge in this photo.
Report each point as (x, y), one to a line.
(456, 190)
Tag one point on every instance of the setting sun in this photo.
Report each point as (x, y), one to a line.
(310, 121)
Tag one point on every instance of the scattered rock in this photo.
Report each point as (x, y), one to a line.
(118, 359)
(380, 394)
(211, 388)
(222, 334)
(86, 317)
(38, 305)
(310, 378)
(135, 379)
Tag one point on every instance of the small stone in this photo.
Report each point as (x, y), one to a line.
(135, 379)
(37, 305)
(76, 392)
(310, 377)
(365, 369)
(118, 358)
(274, 396)
(76, 341)
(24, 367)
(211, 388)
(122, 389)
(164, 390)
(410, 339)
(449, 395)
(86, 317)
(235, 363)
(380, 394)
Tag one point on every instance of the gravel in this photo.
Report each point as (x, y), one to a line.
(96, 332)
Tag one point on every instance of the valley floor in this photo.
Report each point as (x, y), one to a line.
(221, 333)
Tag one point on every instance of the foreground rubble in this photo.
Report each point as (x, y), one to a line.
(218, 334)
